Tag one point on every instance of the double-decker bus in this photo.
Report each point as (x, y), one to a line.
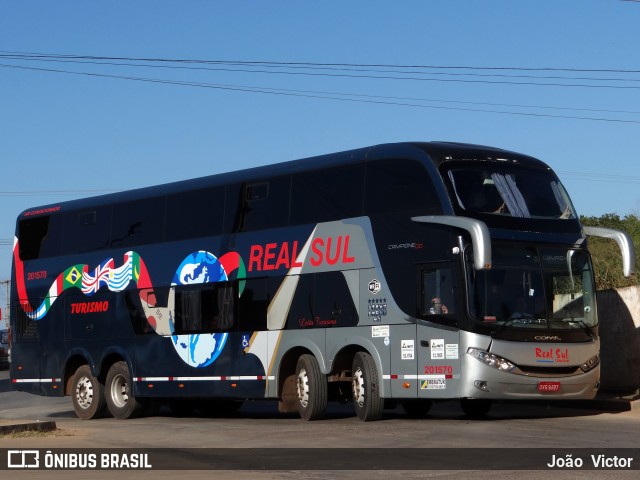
(395, 274)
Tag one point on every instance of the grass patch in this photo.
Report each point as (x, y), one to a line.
(34, 429)
(36, 434)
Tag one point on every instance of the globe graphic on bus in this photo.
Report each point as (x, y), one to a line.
(201, 349)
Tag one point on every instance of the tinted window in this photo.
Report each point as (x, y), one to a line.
(86, 230)
(328, 194)
(253, 305)
(194, 214)
(399, 185)
(206, 308)
(334, 303)
(137, 222)
(322, 300)
(437, 291)
(258, 205)
(301, 312)
(510, 190)
(32, 233)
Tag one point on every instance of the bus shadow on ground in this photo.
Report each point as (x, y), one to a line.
(445, 410)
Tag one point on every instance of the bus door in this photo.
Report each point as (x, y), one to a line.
(438, 337)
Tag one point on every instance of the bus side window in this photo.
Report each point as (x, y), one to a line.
(437, 291)
(318, 197)
(399, 185)
(86, 230)
(193, 214)
(257, 205)
(137, 223)
(34, 236)
(252, 308)
(206, 308)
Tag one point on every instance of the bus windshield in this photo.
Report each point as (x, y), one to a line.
(510, 190)
(534, 289)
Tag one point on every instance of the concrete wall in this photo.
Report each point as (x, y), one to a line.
(619, 314)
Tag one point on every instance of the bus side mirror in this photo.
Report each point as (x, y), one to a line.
(625, 243)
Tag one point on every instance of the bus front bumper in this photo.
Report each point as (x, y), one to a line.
(487, 382)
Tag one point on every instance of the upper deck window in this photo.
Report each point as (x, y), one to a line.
(510, 190)
(400, 185)
(32, 233)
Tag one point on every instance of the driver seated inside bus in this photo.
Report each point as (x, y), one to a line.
(437, 307)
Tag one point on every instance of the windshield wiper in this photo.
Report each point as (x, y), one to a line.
(524, 319)
(505, 324)
(509, 322)
(580, 322)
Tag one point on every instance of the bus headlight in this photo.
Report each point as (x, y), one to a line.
(590, 364)
(492, 360)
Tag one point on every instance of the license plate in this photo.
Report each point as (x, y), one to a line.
(548, 387)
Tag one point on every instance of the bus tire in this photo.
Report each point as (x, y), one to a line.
(311, 388)
(416, 408)
(475, 407)
(88, 394)
(119, 393)
(365, 388)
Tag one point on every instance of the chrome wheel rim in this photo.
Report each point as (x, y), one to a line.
(357, 385)
(303, 387)
(119, 391)
(84, 392)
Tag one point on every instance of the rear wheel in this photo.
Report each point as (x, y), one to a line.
(311, 388)
(119, 393)
(365, 388)
(475, 407)
(88, 394)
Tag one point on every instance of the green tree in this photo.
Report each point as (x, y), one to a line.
(607, 261)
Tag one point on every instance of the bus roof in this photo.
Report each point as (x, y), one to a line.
(437, 151)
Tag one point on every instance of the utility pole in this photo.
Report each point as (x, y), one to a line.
(7, 285)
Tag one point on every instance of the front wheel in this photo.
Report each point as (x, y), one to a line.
(365, 388)
(119, 393)
(88, 394)
(311, 388)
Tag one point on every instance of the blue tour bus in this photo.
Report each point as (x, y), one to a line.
(394, 274)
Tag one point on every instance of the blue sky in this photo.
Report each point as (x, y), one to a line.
(65, 136)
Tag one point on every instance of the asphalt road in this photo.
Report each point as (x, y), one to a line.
(258, 426)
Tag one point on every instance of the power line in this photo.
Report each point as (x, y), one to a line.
(355, 71)
(318, 64)
(350, 68)
(314, 95)
(194, 64)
